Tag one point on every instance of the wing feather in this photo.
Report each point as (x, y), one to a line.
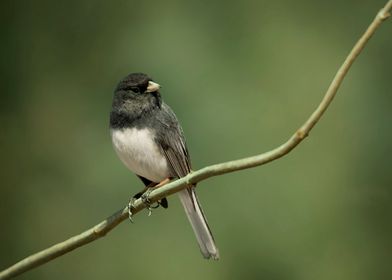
(172, 144)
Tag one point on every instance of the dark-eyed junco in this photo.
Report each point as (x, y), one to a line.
(149, 140)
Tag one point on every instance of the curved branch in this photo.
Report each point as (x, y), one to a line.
(108, 224)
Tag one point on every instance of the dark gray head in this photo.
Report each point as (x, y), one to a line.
(137, 83)
(134, 96)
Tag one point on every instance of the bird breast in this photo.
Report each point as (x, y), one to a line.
(140, 153)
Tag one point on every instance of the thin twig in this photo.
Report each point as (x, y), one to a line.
(108, 224)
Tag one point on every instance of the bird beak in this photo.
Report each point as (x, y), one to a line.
(152, 87)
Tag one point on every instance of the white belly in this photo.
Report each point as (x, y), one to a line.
(138, 151)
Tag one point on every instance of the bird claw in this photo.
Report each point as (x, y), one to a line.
(146, 201)
(131, 203)
(145, 197)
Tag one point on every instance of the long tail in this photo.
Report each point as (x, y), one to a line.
(199, 223)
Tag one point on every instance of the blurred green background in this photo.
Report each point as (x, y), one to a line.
(241, 76)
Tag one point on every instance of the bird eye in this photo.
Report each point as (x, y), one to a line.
(135, 89)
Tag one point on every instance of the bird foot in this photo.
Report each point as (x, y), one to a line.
(144, 196)
(131, 204)
(146, 201)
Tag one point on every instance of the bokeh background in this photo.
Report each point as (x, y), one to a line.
(241, 76)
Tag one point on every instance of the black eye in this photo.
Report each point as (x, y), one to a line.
(135, 89)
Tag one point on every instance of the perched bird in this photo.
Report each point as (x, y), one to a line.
(149, 140)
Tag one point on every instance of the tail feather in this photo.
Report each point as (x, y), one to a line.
(199, 223)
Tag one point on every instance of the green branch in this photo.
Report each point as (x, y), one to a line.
(108, 224)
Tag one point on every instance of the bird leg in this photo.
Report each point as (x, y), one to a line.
(132, 200)
(161, 183)
(146, 194)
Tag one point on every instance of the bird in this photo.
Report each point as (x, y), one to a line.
(148, 139)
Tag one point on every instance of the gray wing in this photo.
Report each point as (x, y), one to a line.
(172, 143)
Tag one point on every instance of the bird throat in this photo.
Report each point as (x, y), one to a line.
(128, 112)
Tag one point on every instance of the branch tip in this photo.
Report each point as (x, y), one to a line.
(301, 134)
(383, 14)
